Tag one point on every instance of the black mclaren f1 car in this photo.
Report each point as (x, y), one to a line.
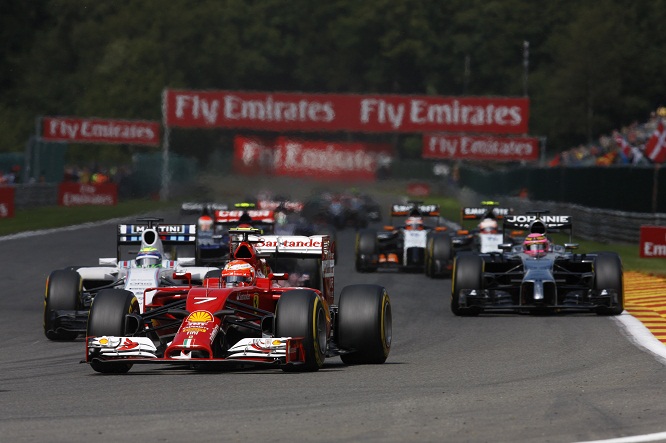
(548, 279)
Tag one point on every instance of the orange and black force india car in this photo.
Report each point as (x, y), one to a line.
(245, 315)
(537, 276)
(419, 244)
(70, 291)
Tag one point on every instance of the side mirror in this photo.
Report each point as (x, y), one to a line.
(182, 276)
(463, 232)
(571, 246)
(278, 276)
(187, 261)
(441, 228)
(111, 261)
(505, 246)
(389, 228)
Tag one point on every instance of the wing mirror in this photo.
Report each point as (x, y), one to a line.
(278, 276)
(111, 261)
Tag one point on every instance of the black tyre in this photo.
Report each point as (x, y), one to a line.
(467, 274)
(63, 293)
(300, 313)
(365, 324)
(366, 250)
(439, 252)
(608, 274)
(107, 317)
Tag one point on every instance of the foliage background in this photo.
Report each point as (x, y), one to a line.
(593, 66)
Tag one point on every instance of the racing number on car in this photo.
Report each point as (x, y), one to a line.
(255, 300)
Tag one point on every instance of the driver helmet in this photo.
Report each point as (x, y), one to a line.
(280, 218)
(205, 223)
(488, 225)
(149, 257)
(414, 224)
(536, 245)
(238, 273)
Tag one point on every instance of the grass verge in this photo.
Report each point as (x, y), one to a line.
(46, 217)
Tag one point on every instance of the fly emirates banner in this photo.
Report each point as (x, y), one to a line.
(345, 112)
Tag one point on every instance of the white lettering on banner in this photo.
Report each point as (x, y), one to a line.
(87, 199)
(423, 113)
(199, 107)
(652, 250)
(386, 112)
(111, 130)
(494, 147)
(296, 157)
(269, 110)
(4, 212)
(61, 128)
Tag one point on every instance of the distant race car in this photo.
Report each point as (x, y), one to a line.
(71, 291)
(537, 276)
(245, 315)
(411, 246)
(213, 231)
(486, 234)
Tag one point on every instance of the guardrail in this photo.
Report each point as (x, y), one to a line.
(594, 224)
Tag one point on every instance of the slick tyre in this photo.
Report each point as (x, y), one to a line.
(608, 274)
(365, 324)
(300, 313)
(63, 292)
(107, 317)
(366, 250)
(439, 252)
(467, 274)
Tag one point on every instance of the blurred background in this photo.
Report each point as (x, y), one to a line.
(589, 71)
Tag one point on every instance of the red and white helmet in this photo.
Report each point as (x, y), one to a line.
(488, 225)
(536, 245)
(238, 273)
(414, 223)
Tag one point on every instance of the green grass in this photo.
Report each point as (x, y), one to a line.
(58, 216)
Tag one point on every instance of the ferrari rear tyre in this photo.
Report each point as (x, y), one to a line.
(366, 250)
(608, 274)
(107, 317)
(63, 293)
(365, 324)
(300, 313)
(467, 274)
(439, 252)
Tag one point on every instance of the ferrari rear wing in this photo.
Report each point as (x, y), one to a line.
(297, 246)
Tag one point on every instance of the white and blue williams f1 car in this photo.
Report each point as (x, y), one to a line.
(70, 291)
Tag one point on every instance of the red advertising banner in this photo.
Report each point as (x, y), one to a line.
(466, 147)
(652, 241)
(77, 194)
(6, 201)
(96, 130)
(314, 159)
(275, 111)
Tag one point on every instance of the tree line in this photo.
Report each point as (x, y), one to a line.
(588, 67)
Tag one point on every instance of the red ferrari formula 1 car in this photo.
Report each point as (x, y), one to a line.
(244, 315)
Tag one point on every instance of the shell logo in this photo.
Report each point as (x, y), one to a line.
(200, 317)
(103, 341)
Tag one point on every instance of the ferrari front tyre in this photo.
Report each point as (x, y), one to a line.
(365, 324)
(467, 274)
(63, 293)
(300, 313)
(366, 250)
(608, 274)
(107, 317)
